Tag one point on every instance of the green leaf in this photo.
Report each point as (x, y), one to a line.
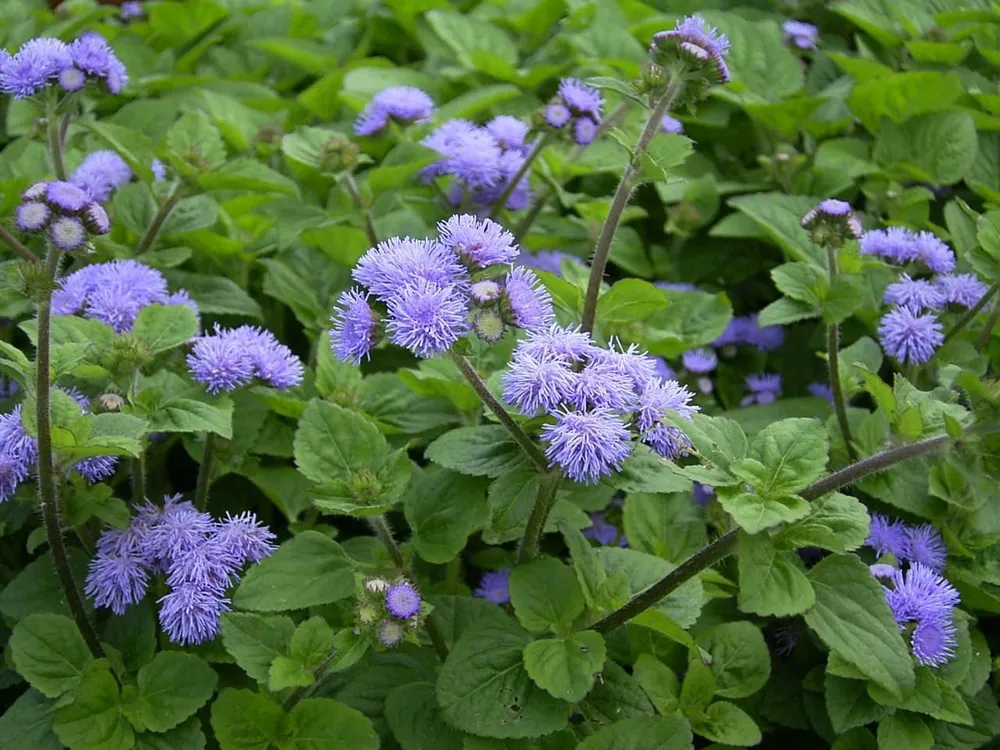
(195, 140)
(162, 327)
(642, 733)
(399, 165)
(754, 513)
(244, 720)
(286, 672)
(191, 214)
(134, 147)
(690, 319)
(486, 451)
(545, 595)
(852, 618)
(728, 724)
(170, 689)
(665, 152)
(27, 723)
(215, 295)
(659, 682)
(94, 719)
(484, 689)
(468, 38)
(325, 724)
(191, 415)
(248, 174)
(453, 615)
(779, 217)
(308, 570)
(566, 667)
(617, 695)
(849, 705)
(741, 662)
(902, 729)
(254, 640)
(682, 605)
(413, 714)
(791, 454)
(836, 522)
(938, 147)
(804, 282)
(443, 508)
(629, 300)
(312, 642)
(188, 736)
(37, 588)
(311, 56)
(49, 652)
(134, 206)
(903, 95)
(697, 689)
(645, 471)
(668, 526)
(772, 581)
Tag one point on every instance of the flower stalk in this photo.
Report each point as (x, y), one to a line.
(548, 489)
(972, 313)
(352, 188)
(620, 200)
(513, 182)
(833, 360)
(160, 218)
(205, 472)
(15, 244)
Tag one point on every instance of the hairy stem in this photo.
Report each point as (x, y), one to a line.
(352, 188)
(48, 490)
(725, 545)
(971, 314)
(159, 218)
(548, 487)
(381, 528)
(620, 200)
(833, 360)
(512, 183)
(52, 131)
(205, 472)
(139, 478)
(15, 244)
(987, 332)
(519, 435)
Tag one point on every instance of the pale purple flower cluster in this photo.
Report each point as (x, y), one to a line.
(130, 9)
(597, 397)
(548, 260)
(831, 222)
(200, 557)
(921, 599)
(577, 108)
(494, 586)
(802, 35)
(482, 159)
(68, 214)
(764, 389)
(744, 330)
(421, 294)
(19, 452)
(230, 358)
(914, 544)
(44, 60)
(672, 125)
(402, 104)
(402, 603)
(115, 293)
(901, 245)
(603, 532)
(699, 43)
(100, 173)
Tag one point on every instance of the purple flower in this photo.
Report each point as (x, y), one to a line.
(96, 220)
(672, 125)
(72, 79)
(35, 64)
(401, 262)
(494, 586)
(699, 360)
(548, 260)
(896, 244)
(557, 115)
(272, 361)
(390, 633)
(703, 494)
(402, 601)
(888, 537)
(13, 471)
(599, 385)
(178, 529)
(519, 198)
(922, 597)
(933, 253)
(403, 104)
(32, 216)
(587, 445)
(244, 538)
(113, 293)
(97, 468)
(485, 292)
(580, 98)
(629, 361)
(159, 170)
(14, 439)
(662, 370)
(908, 337)
(538, 384)
(604, 533)
(882, 570)
(65, 196)
(470, 153)
(116, 580)
(924, 545)
(92, 55)
(802, 35)
(427, 319)
(230, 358)
(698, 42)
(566, 344)
(584, 130)
(526, 302)
(190, 614)
(355, 327)
(916, 295)
(479, 242)
(963, 289)
(657, 399)
(510, 133)
(676, 286)
(130, 9)
(744, 330)
(764, 389)
(821, 390)
(100, 173)
(67, 233)
(831, 222)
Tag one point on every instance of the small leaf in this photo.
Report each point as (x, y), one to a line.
(94, 719)
(566, 667)
(49, 652)
(772, 582)
(244, 720)
(254, 640)
(170, 689)
(545, 595)
(478, 451)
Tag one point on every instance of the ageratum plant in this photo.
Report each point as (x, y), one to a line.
(538, 375)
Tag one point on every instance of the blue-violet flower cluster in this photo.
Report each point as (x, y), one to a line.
(230, 358)
(43, 61)
(576, 108)
(66, 213)
(402, 104)
(695, 41)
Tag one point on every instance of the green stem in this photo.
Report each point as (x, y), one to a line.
(352, 188)
(15, 244)
(519, 435)
(52, 131)
(139, 478)
(833, 360)
(987, 332)
(971, 314)
(48, 490)
(513, 182)
(381, 528)
(548, 488)
(153, 230)
(620, 201)
(725, 545)
(205, 472)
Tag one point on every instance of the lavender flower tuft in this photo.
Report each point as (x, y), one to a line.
(831, 223)
(764, 389)
(402, 601)
(478, 242)
(587, 445)
(494, 586)
(909, 337)
(403, 104)
(800, 34)
(230, 358)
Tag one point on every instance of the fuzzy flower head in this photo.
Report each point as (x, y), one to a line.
(36, 64)
(604, 533)
(427, 319)
(355, 327)
(831, 223)
(391, 633)
(698, 43)
(699, 360)
(403, 104)
(564, 344)
(764, 389)
(402, 601)
(587, 445)
(130, 9)
(32, 216)
(510, 133)
(895, 244)
(821, 390)
(13, 471)
(520, 196)
(672, 126)
(494, 586)
(468, 152)
(526, 303)
(934, 254)
(244, 538)
(68, 212)
(190, 614)
(230, 358)
(964, 289)
(888, 537)
(100, 173)
(916, 295)
(400, 262)
(480, 243)
(629, 361)
(92, 55)
(657, 400)
(909, 337)
(599, 385)
(744, 330)
(549, 261)
(922, 600)
(800, 34)
(577, 105)
(536, 384)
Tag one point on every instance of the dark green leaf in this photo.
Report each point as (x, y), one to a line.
(49, 652)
